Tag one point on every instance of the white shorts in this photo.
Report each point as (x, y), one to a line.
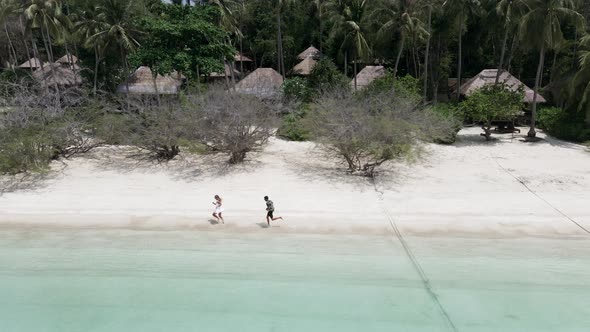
(218, 209)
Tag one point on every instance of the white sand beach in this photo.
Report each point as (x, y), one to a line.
(470, 188)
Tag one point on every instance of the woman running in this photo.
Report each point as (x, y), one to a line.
(218, 209)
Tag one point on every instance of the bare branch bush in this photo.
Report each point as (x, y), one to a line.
(367, 131)
(236, 124)
(38, 125)
(157, 127)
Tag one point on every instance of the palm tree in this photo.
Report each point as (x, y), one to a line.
(429, 4)
(540, 29)
(510, 10)
(9, 8)
(319, 5)
(464, 8)
(350, 16)
(279, 5)
(580, 85)
(47, 16)
(86, 27)
(115, 28)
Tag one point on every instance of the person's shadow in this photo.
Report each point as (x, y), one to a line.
(214, 222)
(262, 225)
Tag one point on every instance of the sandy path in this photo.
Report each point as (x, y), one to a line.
(468, 188)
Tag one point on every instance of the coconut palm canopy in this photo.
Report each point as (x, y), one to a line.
(263, 83)
(142, 82)
(310, 52)
(31, 63)
(67, 59)
(241, 58)
(54, 74)
(305, 67)
(488, 77)
(228, 72)
(368, 75)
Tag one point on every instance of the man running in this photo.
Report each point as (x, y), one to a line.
(270, 209)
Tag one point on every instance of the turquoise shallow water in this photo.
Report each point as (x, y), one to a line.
(111, 280)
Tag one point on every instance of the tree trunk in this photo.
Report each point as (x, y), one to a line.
(511, 55)
(355, 72)
(281, 59)
(414, 61)
(126, 69)
(501, 63)
(460, 54)
(399, 56)
(22, 30)
(532, 132)
(154, 80)
(96, 63)
(11, 47)
(241, 55)
(346, 63)
(427, 54)
(321, 29)
(553, 67)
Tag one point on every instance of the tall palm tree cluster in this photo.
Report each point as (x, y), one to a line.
(428, 39)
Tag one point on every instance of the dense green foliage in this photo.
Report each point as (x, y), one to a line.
(492, 103)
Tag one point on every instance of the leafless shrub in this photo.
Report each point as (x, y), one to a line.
(368, 131)
(236, 124)
(38, 125)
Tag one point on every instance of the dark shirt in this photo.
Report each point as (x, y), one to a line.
(270, 206)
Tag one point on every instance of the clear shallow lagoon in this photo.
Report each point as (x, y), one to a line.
(111, 280)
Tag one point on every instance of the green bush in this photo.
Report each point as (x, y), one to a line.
(325, 76)
(406, 87)
(451, 114)
(25, 150)
(492, 103)
(563, 124)
(296, 89)
(293, 127)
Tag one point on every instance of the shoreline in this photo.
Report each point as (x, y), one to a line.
(502, 189)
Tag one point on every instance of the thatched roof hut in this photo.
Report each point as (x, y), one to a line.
(142, 82)
(310, 52)
(34, 63)
(67, 59)
(367, 75)
(54, 74)
(263, 83)
(304, 68)
(488, 77)
(241, 58)
(228, 73)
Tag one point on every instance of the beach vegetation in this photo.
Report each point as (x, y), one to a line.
(492, 103)
(367, 132)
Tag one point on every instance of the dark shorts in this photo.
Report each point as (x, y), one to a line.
(269, 214)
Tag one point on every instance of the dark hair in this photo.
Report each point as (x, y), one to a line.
(266, 198)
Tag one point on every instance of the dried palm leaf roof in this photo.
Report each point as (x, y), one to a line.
(242, 58)
(68, 59)
(488, 77)
(367, 75)
(310, 52)
(142, 82)
(54, 74)
(305, 67)
(227, 73)
(31, 63)
(263, 82)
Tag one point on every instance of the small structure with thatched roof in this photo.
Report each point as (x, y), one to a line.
(54, 74)
(241, 58)
(310, 52)
(228, 73)
(367, 75)
(488, 77)
(304, 68)
(33, 63)
(263, 83)
(142, 82)
(67, 59)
